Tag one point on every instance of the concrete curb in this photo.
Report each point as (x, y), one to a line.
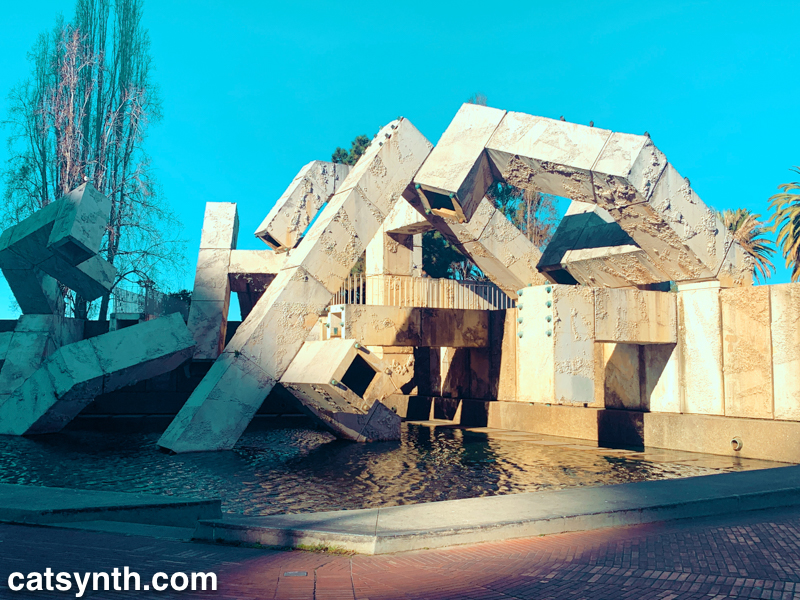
(494, 518)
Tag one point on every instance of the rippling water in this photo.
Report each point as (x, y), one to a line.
(303, 470)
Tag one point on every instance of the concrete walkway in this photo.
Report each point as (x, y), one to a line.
(747, 555)
(440, 524)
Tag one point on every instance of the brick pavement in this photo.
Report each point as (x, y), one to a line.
(752, 555)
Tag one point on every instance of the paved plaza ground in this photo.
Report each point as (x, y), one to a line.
(749, 555)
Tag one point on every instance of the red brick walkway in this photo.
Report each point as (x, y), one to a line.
(756, 555)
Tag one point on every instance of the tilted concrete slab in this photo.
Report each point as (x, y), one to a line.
(344, 385)
(35, 338)
(72, 376)
(61, 240)
(265, 344)
(624, 174)
(249, 274)
(494, 518)
(309, 191)
(408, 326)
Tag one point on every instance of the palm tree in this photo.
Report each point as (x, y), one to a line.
(786, 222)
(749, 231)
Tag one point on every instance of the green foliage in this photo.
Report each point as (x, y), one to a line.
(533, 213)
(786, 223)
(749, 231)
(357, 147)
(442, 260)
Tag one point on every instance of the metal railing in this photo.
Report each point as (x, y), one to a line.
(423, 292)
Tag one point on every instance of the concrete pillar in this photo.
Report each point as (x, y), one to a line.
(785, 333)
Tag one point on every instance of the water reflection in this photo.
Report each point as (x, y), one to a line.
(302, 470)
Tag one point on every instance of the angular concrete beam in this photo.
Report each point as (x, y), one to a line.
(267, 341)
(344, 385)
(208, 314)
(74, 375)
(492, 243)
(249, 274)
(419, 327)
(624, 174)
(61, 240)
(309, 191)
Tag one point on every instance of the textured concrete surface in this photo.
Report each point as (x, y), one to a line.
(441, 524)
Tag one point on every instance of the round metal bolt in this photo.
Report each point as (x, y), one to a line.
(548, 304)
(520, 292)
(356, 345)
(519, 319)
(548, 318)
(549, 333)
(328, 325)
(548, 289)
(530, 285)
(519, 334)
(417, 186)
(736, 444)
(333, 382)
(519, 306)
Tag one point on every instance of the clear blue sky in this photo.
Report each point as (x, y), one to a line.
(254, 90)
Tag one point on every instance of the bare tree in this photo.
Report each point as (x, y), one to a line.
(82, 115)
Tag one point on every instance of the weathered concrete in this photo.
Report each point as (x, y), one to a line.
(71, 377)
(309, 191)
(556, 353)
(407, 326)
(747, 352)
(61, 240)
(700, 341)
(208, 314)
(785, 333)
(635, 316)
(344, 385)
(439, 524)
(268, 340)
(624, 174)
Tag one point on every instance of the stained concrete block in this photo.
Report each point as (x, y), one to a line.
(80, 225)
(211, 277)
(785, 334)
(700, 342)
(747, 352)
(207, 322)
(220, 226)
(73, 375)
(556, 354)
(309, 191)
(248, 262)
(340, 382)
(459, 164)
(279, 324)
(636, 316)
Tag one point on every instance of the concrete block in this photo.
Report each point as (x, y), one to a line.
(207, 322)
(341, 385)
(248, 262)
(220, 226)
(556, 354)
(280, 321)
(700, 341)
(210, 420)
(309, 191)
(636, 316)
(459, 164)
(747, 352)
(81, 222)
(92, 278)
(72, 376)
(211, 277)
(785, 333)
